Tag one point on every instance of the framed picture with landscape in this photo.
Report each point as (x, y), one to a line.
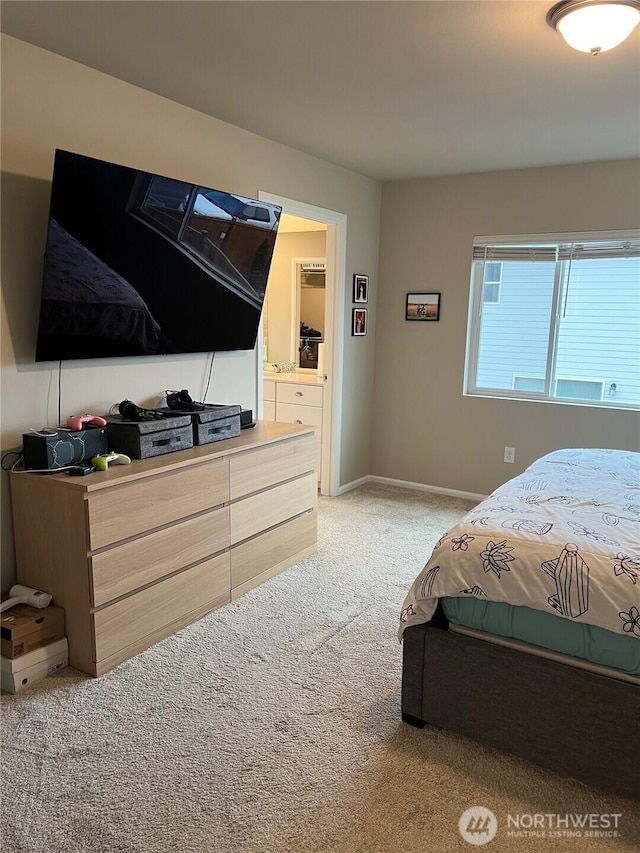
(422, 306)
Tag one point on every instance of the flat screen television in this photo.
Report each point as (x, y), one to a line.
(140, 264)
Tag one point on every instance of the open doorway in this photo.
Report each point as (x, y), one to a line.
(331, 368)
(294, 305)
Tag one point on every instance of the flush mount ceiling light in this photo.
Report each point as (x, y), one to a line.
(593, 26)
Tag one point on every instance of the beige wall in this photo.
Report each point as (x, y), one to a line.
(49, 102)
(425, 431)
(279, 304)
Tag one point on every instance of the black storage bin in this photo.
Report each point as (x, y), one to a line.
(143, 439)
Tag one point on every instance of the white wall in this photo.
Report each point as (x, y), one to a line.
(425, 431)
(49, 102)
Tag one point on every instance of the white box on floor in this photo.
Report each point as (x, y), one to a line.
(34, 666)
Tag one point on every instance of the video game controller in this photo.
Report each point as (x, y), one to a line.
(103, 460)
(78, 421)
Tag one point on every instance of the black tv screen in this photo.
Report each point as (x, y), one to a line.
(140, 264)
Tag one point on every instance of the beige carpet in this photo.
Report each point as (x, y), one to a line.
(273, 725)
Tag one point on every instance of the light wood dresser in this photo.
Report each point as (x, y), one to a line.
(137, 552)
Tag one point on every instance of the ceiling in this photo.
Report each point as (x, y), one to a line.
(391, 90)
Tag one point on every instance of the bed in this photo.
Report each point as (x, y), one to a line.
(522, 631)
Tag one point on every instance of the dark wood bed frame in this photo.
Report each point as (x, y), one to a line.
(568, 720)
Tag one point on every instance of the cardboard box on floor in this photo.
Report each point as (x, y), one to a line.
(34, 666)
(25, 628)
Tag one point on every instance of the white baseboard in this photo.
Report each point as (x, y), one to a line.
(353, 485)
(406, 484)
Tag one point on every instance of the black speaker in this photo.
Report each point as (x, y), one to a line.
(50, 452)
(246, 419)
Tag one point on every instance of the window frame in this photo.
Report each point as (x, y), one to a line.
(587, 380)
(540, 243)
(494, 281)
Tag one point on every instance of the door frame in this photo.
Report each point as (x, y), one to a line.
(335, 286)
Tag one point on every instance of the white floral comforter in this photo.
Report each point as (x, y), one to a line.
(563, 537)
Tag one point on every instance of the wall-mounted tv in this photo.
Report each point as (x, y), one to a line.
(140, 264)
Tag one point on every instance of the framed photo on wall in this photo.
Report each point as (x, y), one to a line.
(361, 288)
(422, 306)
(359, 325)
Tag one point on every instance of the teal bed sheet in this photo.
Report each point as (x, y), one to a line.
(588, 642)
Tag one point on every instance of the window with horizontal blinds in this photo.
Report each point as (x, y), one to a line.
(567, 323)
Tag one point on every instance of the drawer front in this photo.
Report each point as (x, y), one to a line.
(258, 469)
(262, 553)
(127, 567)
(269, 410)
(129, 510)
(269, 389)
(306, 395)
(295, 413)
(130, 620)
(259, 512)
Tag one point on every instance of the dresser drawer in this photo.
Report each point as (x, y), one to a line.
(258, 469)
(129, 621)
(126, 567)
(262, 553)
(134, 508)
(295, 413)
(306, 395)
(262, 511)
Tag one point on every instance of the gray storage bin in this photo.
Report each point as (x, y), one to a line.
(143, 439)
(216, 423)
(213, 423)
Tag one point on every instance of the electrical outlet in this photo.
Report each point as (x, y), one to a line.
(509, 454)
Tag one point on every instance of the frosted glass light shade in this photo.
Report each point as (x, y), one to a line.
(593, 27)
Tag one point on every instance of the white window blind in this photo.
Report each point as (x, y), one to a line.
(567, 324)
